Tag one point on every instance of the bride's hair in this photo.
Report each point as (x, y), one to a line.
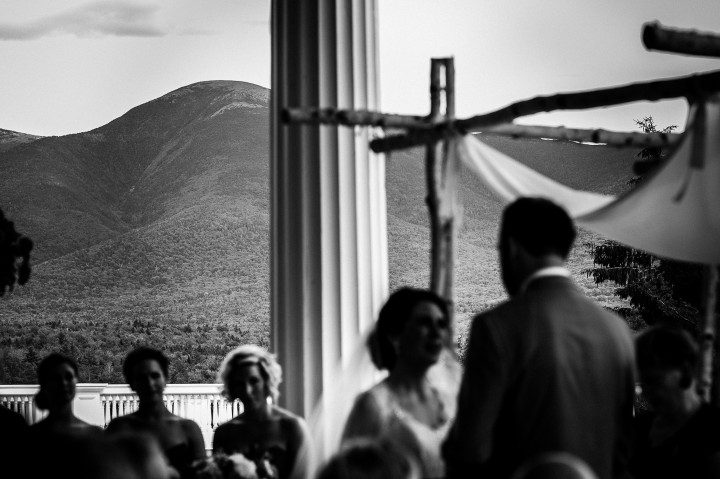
(392, 319)
(251, 354)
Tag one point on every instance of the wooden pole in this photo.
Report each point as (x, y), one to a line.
(442, 229)
(450, 225)
(673, 40)
(610, 138)
(449, 88)
(412, 122)
(692, 85)
(332, 116)
(431, 178)
(708, 326)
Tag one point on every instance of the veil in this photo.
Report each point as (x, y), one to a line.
(357, 373)
(353, 375)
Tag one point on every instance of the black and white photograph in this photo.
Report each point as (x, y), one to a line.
(359, 239)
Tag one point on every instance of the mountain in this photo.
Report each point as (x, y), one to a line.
(10, 139)
(153, 229)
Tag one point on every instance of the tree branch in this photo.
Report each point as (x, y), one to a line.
(688, 86)
(613, 138)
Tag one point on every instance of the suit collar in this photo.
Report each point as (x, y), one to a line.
(550, 271)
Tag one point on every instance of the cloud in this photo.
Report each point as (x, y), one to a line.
(97, 19)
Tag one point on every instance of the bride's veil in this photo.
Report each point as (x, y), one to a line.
(352, 375)
(357, 373)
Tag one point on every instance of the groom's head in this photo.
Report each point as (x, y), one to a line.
(534, 233)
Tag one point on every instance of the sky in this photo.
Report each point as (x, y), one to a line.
(70, 65)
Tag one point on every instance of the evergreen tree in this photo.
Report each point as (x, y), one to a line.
(651, 157)
(31, 357)
(14, 256)
(659, 290)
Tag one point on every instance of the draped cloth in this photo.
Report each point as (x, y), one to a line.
(673, 213)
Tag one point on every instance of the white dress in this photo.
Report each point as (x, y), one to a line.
(401, 427)
(335, 414)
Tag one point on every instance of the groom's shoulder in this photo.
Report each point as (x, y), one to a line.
(498, 312)
(495, 318)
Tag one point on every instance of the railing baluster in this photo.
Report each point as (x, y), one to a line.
(202, 403)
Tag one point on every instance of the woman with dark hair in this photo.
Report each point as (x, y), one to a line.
(146, 371)
(410, 407)
(680, 436)
(275, 439)
(58, 377)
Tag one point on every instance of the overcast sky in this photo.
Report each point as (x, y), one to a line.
(70, 66)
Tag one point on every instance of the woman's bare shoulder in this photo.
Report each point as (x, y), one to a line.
(123, 423)
(281, 413)
(288, 419)
(188, 424)
(293, 427)
(88, 428)
(230, 425)
(373, 399)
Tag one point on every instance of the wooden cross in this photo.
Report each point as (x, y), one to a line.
(442, 111)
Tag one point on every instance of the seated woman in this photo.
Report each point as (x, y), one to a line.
(409, 407)
(58, 377)
(680, 437)
(146, 371)
(274, 438)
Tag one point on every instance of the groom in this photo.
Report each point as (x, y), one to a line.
(546, 371)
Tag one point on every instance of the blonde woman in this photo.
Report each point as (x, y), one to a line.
(275, 439)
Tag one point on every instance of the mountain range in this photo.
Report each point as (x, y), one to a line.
(154, 229)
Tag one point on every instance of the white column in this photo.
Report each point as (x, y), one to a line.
(328, 221)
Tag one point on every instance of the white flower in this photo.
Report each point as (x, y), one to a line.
(243, 467)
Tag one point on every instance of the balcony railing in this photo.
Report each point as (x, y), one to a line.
(98, 404)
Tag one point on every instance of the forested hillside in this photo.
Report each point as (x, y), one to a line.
(153, 229)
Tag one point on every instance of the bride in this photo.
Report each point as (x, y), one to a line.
(414, 405)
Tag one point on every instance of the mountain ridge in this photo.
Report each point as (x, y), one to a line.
(154, 229)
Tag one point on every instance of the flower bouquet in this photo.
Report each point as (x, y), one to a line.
(223, 466)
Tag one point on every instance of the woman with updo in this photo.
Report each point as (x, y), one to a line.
(146, 371)
(58, 377)
(275, 439)
(414, 405)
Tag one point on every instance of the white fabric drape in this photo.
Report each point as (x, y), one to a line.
(673, 213)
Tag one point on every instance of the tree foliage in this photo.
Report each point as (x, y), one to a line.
(659, 290)
(651, 157)
(14, 256)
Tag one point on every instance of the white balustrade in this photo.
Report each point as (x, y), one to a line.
(98, 404)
